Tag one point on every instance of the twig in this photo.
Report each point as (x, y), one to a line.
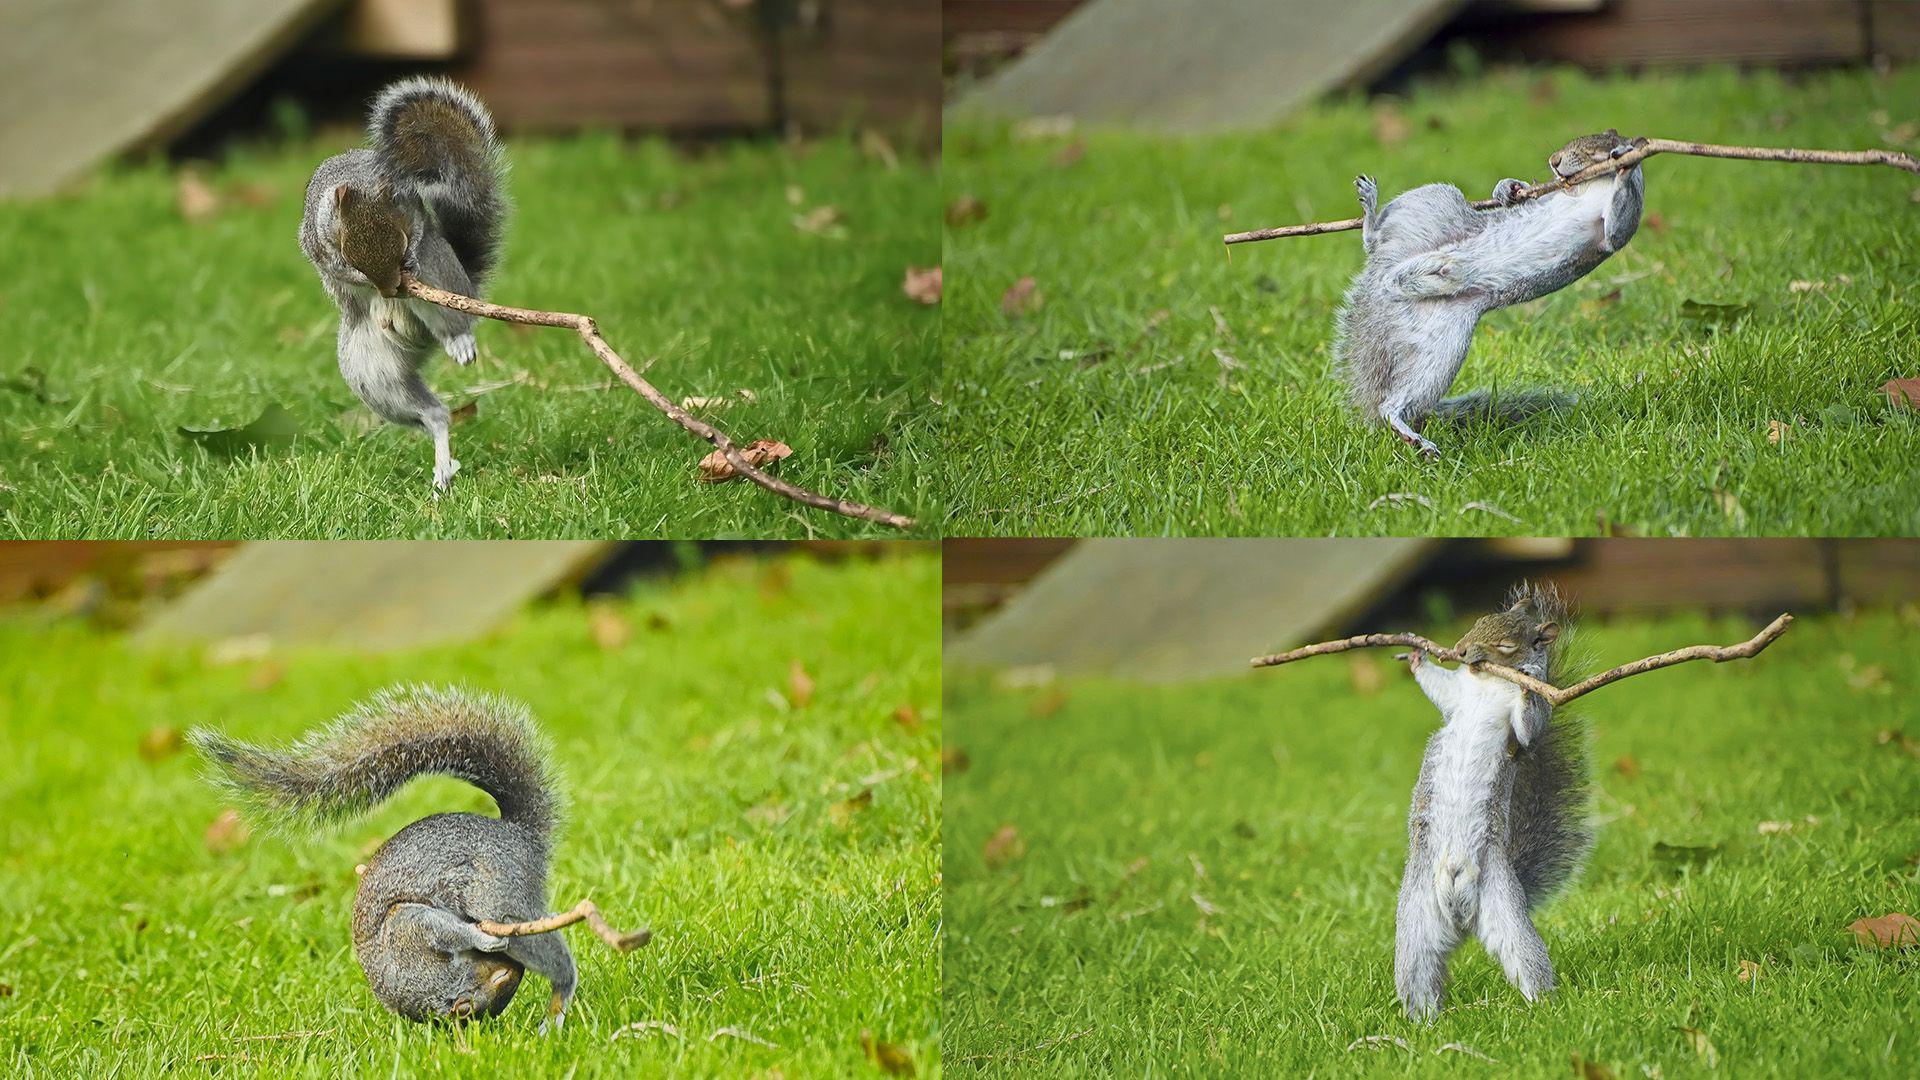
(1626, 161)
(1554, 694)
(585, 327)
(584, 910)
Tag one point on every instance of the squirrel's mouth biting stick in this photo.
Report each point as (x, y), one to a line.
(1555, 695)
(1627, 161)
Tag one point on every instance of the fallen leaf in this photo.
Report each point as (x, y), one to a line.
(954, 760)
(642, 1027)
(1376, 1042)
(1778, 431)
(1889, 737)
(1489, 508)
(1591, 1070)
(1902, 392)
(1003, 847)
(1655, 221)
(1729, 504)
(824, 221)
(799, 685)
(922, 286)
(274, 429)
(891, 1057)
(1049, 702)
(6, 990)
(1894, 930)
(1626, 766)
(742, 1034)
(465, 412)
(1598, 302)
(1748, 972)
(1070, 154)
(161, 743)
(769, 811)
(1462, 1048)
(695, 404)
(1775, 828)
(842, 813)
(907, 717)
(1702, 1045)
(1022, 298)
(194, 197)
(1400, 498)
(227, 832)
(965, 210)
(608, 627)
(875, 145)
(1206, 906)
(760, 453)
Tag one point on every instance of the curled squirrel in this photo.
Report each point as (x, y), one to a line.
(426, 887)
(428, 198)
(1499, 819)
(1435, 265)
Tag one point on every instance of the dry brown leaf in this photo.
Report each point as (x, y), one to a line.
(799, 685)
(1702, 1045)
(1748, 972)
(1890, 737)
(1390, 126)
(161, 743)
(954, 760)
(824, 221)
(1894, 930)
(1902, 392)
(227, 832)
(1591, 1070)
(1048, 702)
(892, 1058)
(194, 197)
(1775, 828)
(1655, 221)
(907, 716)
(1729, 504)
(922, 285)
(465, 412)
(1003, 847)
(760, 453)
(695, 404)
(1022, 298)
(1778, 431)
(875, 145)
(1070, 154)
(608, 627)
(1627, 766)
(843, 811)
(965, 210)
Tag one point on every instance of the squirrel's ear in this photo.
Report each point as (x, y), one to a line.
(1549, 633)
(1612, 133)
(342, 194)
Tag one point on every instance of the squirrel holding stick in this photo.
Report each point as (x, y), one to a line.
(428, 198)
(1499, 817)
(1435, 265)
(416, 912)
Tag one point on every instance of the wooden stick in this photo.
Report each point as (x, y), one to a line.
(1627, 161)
(584, 326)
(584, 910)
(1555, 695)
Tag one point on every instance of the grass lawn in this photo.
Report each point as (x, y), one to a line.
(703, 803)
(122, 321)
(1161, 388)
(1210, 870)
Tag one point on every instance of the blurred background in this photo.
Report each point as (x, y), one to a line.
(1180, 609)
(1205, 64)
(86, 82)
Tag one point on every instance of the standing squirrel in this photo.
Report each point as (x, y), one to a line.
(426, 887)
(1499, 817)
(427, 199)
(1435, 265)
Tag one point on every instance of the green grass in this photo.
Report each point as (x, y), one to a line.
(1096, 416)
(701, 804)
(1290, 789)
(143, 322)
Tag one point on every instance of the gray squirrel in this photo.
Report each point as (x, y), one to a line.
(428, 198)
(1435, 265)
(424, 890)
(1499, 817)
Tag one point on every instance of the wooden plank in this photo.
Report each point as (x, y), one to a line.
(372, 595)
(404, 29)
(1244, 63)
(1160, 610)
(1687, 33)
(83, 82)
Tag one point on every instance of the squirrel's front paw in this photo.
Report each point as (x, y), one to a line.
(1505, 191)
(1369, 193)
(443, 476)
(463, 349)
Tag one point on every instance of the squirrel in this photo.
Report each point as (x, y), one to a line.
(1499, 817)
(1434, 265)
(424, 890)
(428, 199)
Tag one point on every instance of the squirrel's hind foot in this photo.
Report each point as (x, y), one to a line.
(463, 349)
(443, 476)
(1369, 192)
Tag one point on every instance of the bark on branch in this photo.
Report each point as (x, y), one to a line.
(1555, 695)
(584, 911)
(584, 326)
(1626, 161)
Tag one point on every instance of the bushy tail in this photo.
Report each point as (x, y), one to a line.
(355, 763)
(1550, 828)
(434, 136)
(1506, 407)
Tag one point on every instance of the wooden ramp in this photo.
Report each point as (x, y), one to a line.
(83, 80)
(1163, 610)
(371, 595)
(1197, 65)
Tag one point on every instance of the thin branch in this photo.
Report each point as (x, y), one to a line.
(1626, 161)
(583, 911)
(584, 326)
(1555, 695)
